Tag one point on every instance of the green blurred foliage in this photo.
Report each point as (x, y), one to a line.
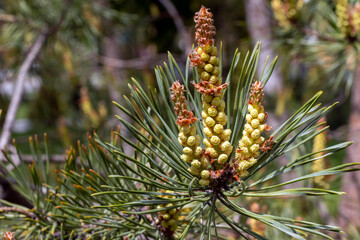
(75, 82)
(71, 58)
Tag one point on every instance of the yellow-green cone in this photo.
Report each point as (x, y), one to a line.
(252, 142)
(168, 219)
(192, 152)
(204, 57)
(319, 164)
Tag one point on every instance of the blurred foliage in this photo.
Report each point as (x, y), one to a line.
(322, 43)
(71, 59)
(74, 29)
(322, 37)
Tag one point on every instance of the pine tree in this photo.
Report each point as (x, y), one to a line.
(185, 179)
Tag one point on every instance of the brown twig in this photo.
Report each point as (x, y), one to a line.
(7, 18)
(17, 95)
(137, 63)
(23, 72)
(179, 24)
(258, 21)
(17, 210)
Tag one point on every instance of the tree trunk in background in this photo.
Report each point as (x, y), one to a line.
(349, 209)
(111, 50)
(116, 78)
(259, 25)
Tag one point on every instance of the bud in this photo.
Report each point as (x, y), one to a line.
(212, 152)
(187, 150)
(222, 158)
(255, 123)
(215, 140)
(218, 128)
(207, 143)
(210, 122)
(195, 164)
(205, 174)
(205, 57)
(212, 112)
(208, 67)
(198, 151)
(191, 141)
(208, 132)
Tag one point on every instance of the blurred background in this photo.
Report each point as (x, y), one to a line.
(65, 61)
(88, 57)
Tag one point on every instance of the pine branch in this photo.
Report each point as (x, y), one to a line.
(17, 210)
(26, 159)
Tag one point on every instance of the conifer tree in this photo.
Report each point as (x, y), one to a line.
(173, 185)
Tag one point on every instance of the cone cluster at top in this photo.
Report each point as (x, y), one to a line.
(205, 163)
(286, 11)
(215, 157)
(204, 58)
(348, 18)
